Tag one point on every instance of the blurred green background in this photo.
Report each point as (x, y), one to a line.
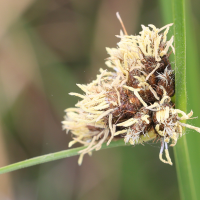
(46, 47)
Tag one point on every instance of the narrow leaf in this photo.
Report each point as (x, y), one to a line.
(67, 153)
(182, 153)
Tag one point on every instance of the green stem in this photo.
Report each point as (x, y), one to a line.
(67, 153)
(183, 165)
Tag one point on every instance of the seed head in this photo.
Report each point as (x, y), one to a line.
(132, 98)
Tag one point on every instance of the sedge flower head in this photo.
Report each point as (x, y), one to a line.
(131, 97)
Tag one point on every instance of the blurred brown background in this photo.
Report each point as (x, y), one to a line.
(46, 47)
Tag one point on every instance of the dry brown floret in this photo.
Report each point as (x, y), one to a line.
(167, 124)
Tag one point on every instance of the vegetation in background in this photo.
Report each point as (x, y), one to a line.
(44, 52)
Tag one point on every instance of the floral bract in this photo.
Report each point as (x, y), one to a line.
(132, 98)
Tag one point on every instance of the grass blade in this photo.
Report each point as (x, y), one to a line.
(182, 157)
(183, 154)
(65, 154)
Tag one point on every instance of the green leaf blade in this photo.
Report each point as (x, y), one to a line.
(68, 153)
(51, 157)
(183, 154)
(183, 164)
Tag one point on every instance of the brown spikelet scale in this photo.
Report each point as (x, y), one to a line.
(132, 81)
(132, 97)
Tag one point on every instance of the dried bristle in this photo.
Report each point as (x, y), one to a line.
(142, 123)
(132, 98)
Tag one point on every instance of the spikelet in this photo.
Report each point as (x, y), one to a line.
(132, 98)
